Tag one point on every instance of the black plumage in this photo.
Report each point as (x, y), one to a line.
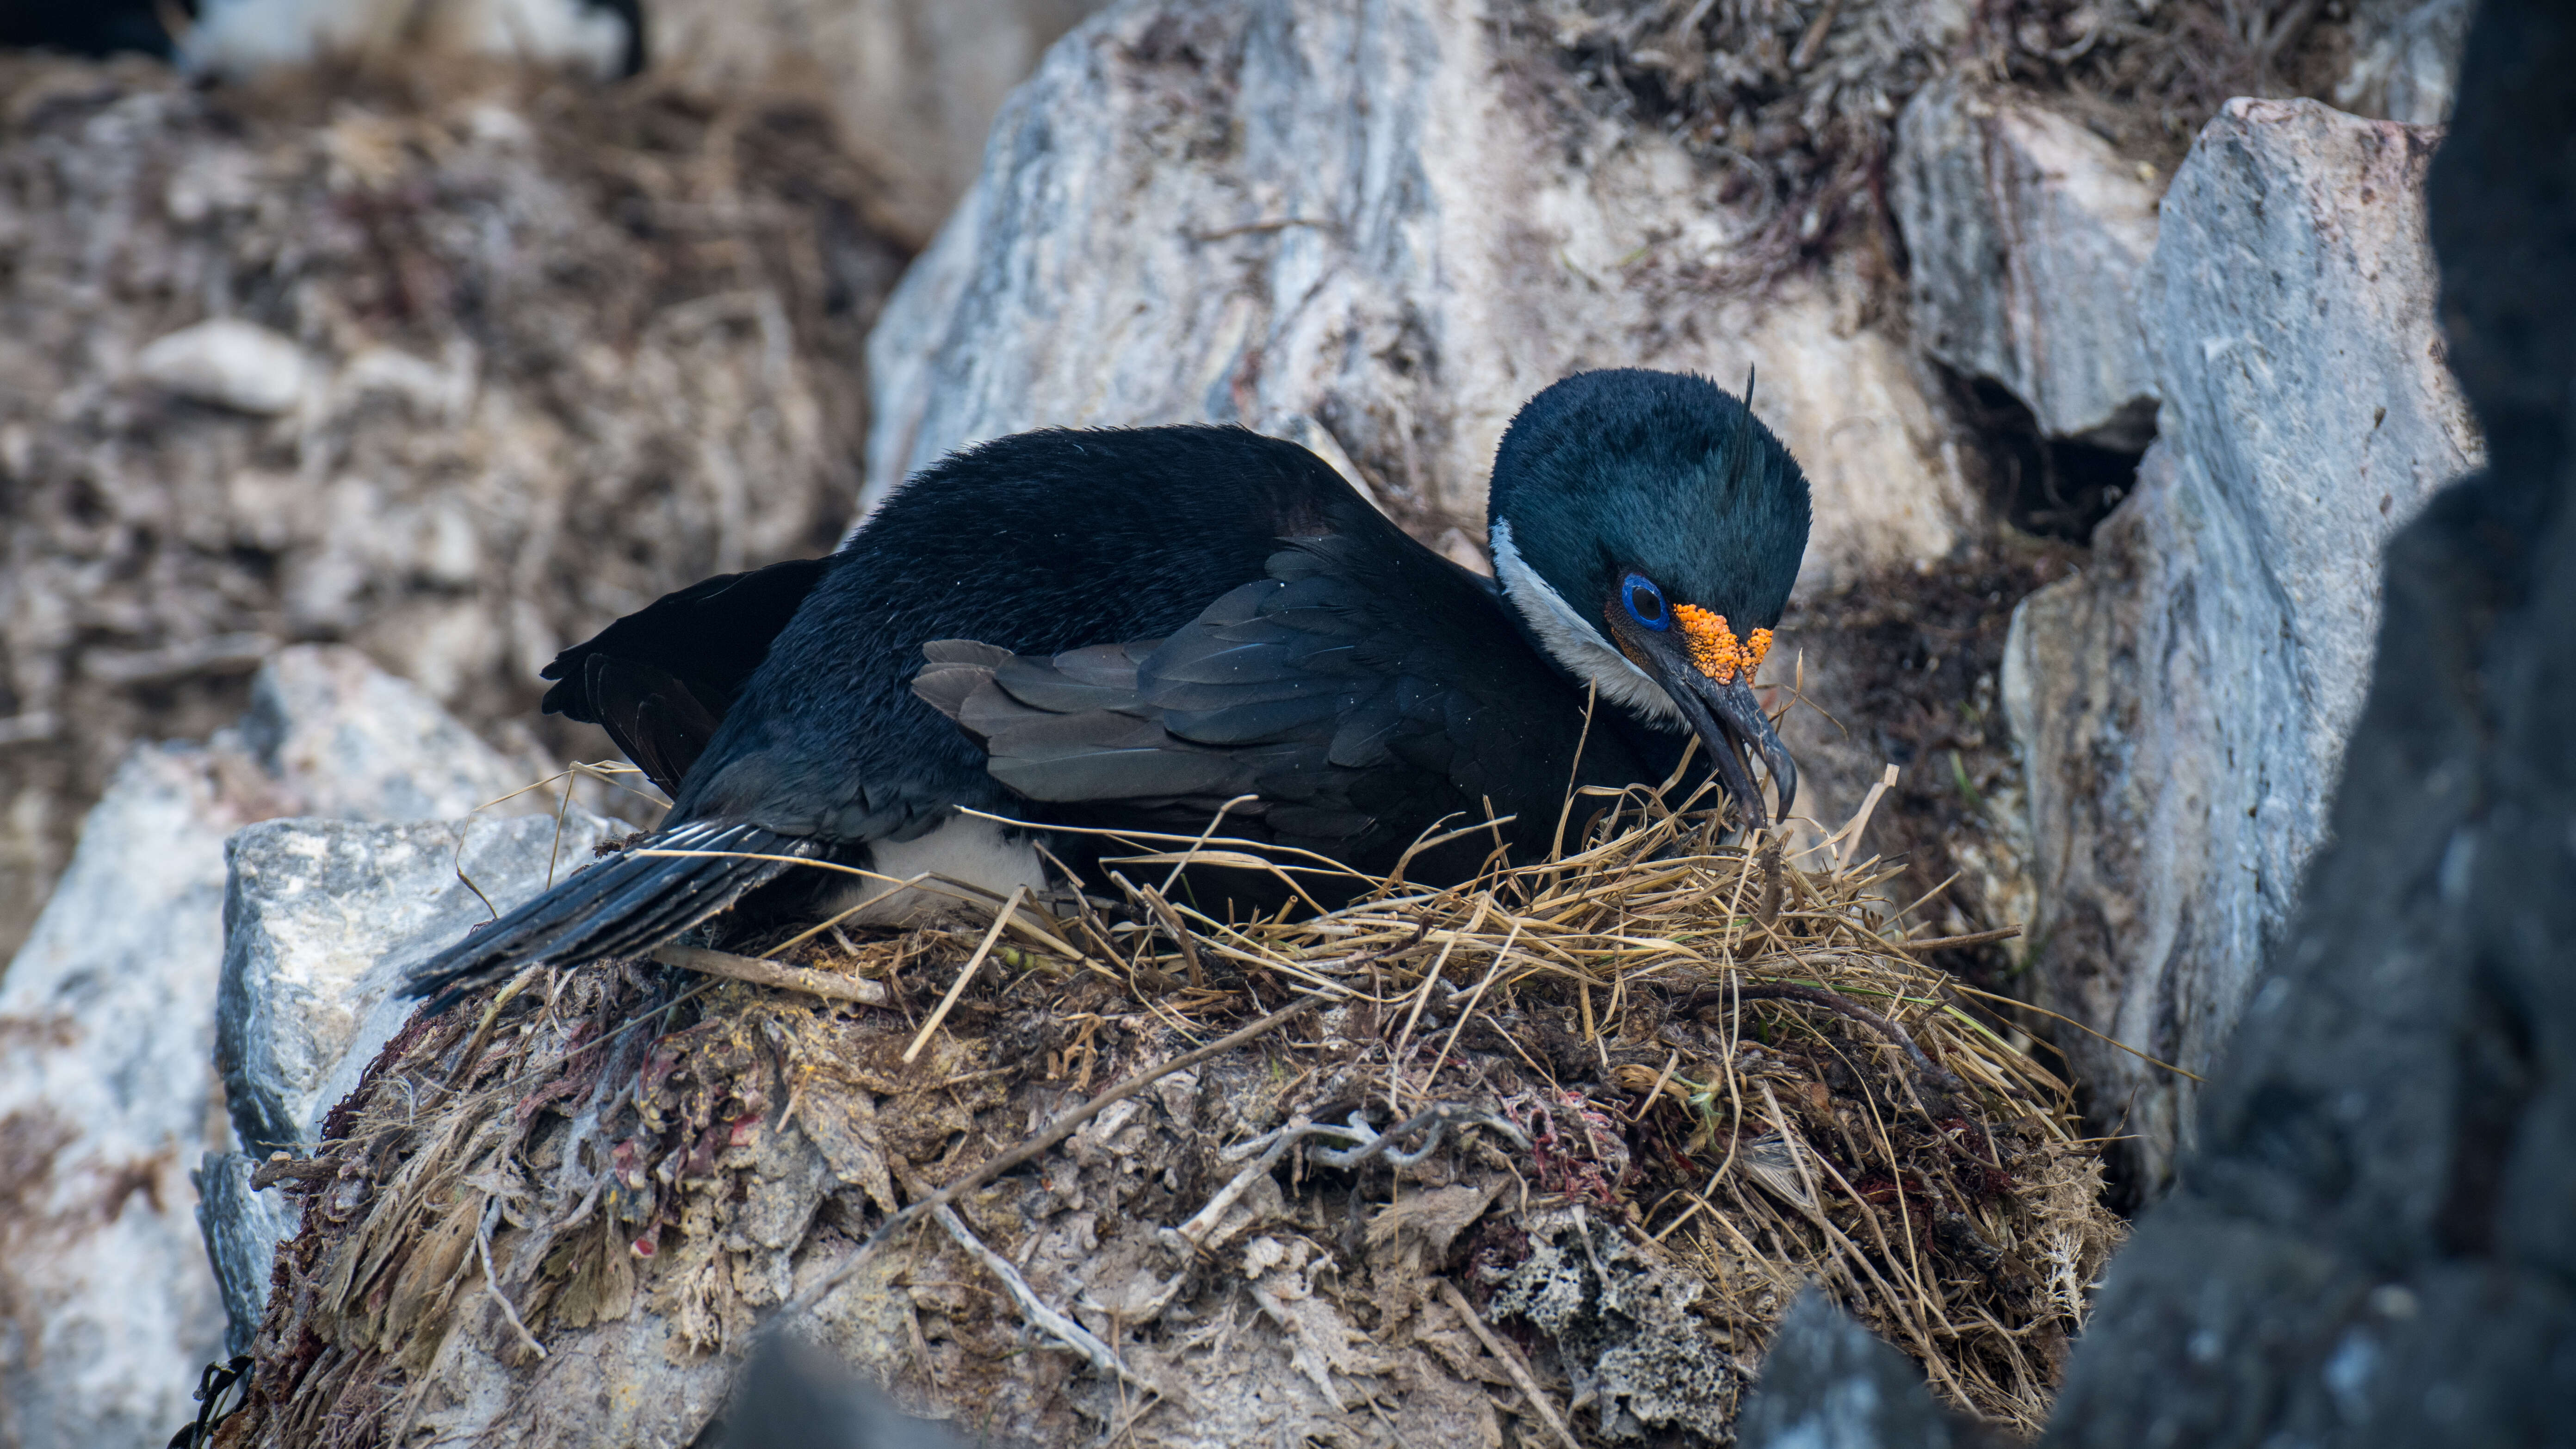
(660, 680)
(1364, 689)
(1128, 628)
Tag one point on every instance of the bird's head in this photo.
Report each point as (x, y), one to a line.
(1647, 528)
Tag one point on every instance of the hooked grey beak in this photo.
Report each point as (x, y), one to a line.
(1731, 725)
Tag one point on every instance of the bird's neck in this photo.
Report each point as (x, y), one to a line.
(1571, 641)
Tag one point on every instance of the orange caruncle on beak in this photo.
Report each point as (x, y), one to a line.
(1714, 647)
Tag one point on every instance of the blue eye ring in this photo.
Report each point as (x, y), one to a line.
(1646, 603)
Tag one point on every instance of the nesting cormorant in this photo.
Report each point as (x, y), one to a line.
(1128, 628)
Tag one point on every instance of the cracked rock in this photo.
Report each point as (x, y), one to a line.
(2181, 705)
(2029, 235)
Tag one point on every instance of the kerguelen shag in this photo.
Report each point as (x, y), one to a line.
(1128, 628)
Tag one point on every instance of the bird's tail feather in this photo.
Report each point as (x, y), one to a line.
(619, 907)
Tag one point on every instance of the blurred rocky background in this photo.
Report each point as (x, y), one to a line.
(349, 344)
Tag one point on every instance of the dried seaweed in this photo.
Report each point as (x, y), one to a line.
(1621, 1105)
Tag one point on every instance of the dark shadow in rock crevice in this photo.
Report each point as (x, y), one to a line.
(2052, 488)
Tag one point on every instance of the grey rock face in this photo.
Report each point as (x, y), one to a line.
(2372, 1245)
(339, 737)
(242, 1227)
(321, 917)
(2182, 705)
(917, 84)
(1827, 1384)
(2405, 59)
(107, 1088)
(1342, 220)
(2029, 235)
(108, 1091)
(459, 490)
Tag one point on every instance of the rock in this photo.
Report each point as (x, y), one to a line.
(2370, 1247)
(1827, 1384)
(303, 978)
(242, 1227)
(520, 416)
(108, 1090)
(227, 362)
(914, 86)
(2182, 704)
(2029, 235)
(2405, 59)
(243, 39)
(321, 917)
(1354, 218)
(356, 743)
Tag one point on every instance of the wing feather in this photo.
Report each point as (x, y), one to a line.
(1363, 691)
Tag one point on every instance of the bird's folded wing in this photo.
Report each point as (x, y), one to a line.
(1360, 692)
(660, 679)
(658, 721)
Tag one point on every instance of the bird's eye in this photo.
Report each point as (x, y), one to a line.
(1646, 602)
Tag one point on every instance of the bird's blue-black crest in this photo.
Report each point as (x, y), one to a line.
(1661, 474)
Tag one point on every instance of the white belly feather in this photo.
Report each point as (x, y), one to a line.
(962, 849)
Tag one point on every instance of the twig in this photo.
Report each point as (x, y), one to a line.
(1204, 837)
(1814, 40)
(1511, 1363)
(833, 923)
(1172, 922)
(1193, 1234)
(1944, 943)
(1925, 898)
(1073, 1335)
(762, 972)
(1062, 1128)
(958, 987)
(1430, 979)
(1436, 1117)
(1832, 844)
(1468, 1012)
(492, 1286)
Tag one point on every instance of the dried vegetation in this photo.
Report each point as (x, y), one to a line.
(1797, 99)
(1537, 1160)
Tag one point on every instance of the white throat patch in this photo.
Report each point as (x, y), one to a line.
(1572, 639)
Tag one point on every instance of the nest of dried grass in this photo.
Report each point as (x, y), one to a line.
(1538, 1159)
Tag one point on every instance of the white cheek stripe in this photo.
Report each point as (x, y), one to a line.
(1571, 638)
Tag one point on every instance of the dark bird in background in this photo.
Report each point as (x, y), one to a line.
(95, 28)
(160, 28)
(1129, 628)
(798, 1396)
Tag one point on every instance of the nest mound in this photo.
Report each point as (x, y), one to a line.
(1541, 1159)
